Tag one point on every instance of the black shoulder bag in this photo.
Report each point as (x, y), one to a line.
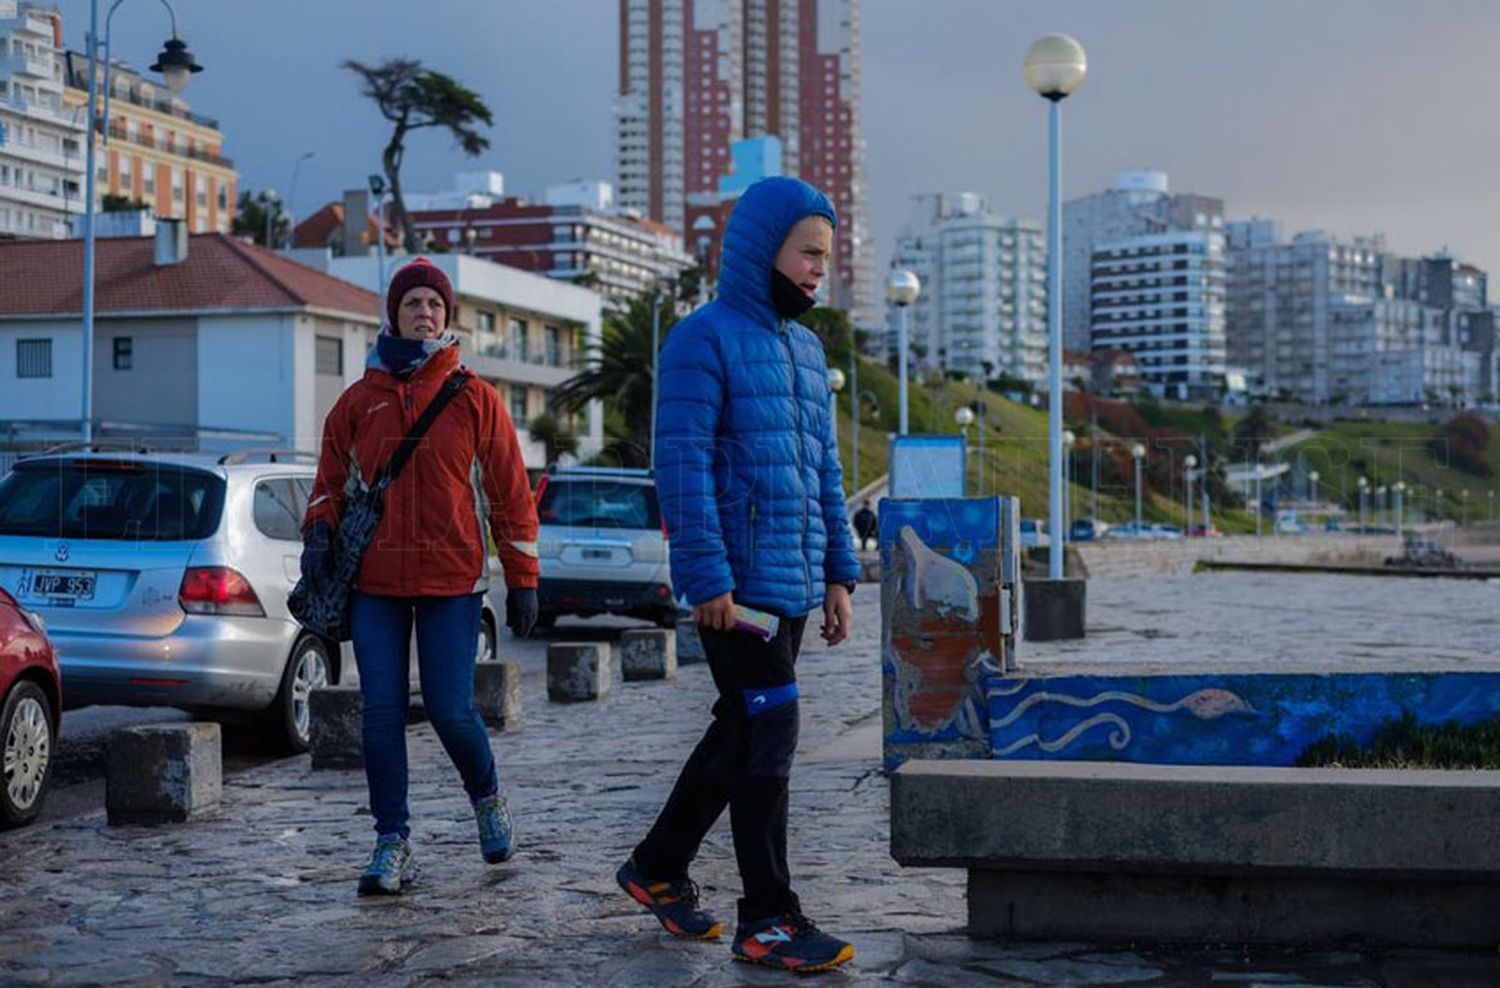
(321, 605)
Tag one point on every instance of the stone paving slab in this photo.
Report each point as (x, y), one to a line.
(262, 891)
(1281, 620)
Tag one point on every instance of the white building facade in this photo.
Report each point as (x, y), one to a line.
(983, 308)
(41, 141)
(1139, 204)
(1161, 299)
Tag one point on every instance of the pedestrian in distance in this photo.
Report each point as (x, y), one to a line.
(428, 564)
(751, 490)
(866, 524)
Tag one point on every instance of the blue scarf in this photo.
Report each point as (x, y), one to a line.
(402, 356)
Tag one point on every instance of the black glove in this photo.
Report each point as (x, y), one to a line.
(315, 544)
(521, 610)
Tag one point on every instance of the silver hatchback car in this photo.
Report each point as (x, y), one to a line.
(163, 581)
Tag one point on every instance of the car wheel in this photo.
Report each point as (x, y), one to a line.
(26, 741)
(287, 719)
(488, 650)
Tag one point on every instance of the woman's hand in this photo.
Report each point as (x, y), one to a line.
(838, 614)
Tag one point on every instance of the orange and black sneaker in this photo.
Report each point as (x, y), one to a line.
(791, 942)
(674, 903)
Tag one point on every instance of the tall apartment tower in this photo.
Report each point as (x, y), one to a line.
(983, 307)
(698, 75)
(1139, 204)
(41, 157)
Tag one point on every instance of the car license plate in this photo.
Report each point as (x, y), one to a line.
(76, 584)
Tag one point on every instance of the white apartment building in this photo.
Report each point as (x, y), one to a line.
(41, 141)
(1161, 299)
(1140, 203)
(1280, 303)
(983, 308)
(1393, 351)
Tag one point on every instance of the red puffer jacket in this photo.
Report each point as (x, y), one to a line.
(465, 481)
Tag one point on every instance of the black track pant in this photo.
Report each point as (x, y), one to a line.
(743, 762)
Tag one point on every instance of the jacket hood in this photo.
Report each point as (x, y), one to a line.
(756, 230)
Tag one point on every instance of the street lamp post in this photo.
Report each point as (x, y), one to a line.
(291, 199)
(1188, 463)
(1069, 440)
(1399, 488)
(1380, 506)
(1137, 452)
(656, 303)
(902, 289)
(270, 202)
(377, 189)
(176, 65)
(1364, 485)
(1054, 67)
(1437, 504)
(1312, 483)
(835, 385)
(1464, 496)
(964, 417)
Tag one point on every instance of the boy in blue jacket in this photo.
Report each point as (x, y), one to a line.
(748, 475)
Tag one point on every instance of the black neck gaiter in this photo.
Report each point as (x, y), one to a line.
(788, 297)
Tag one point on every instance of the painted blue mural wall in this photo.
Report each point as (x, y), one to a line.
(1207, 719)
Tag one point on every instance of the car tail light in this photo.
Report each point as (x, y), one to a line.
(664, 536)
(218, 590)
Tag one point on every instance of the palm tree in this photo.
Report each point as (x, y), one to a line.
(556, 440)
(618, 370)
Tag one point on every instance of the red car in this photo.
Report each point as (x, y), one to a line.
(30, 711)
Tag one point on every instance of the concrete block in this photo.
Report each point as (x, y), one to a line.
(163, 773)
(1054, 609)
(689, 643)
(497, 694)
(579, 671)
(648, 653)
(869, 569)
(336, 727)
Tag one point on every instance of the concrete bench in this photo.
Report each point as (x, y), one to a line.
(579, 671)
(1111, 851)
(335, 727)
(689, 643)
(163, 773)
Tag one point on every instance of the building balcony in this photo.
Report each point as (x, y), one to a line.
(119, 132)
(26, 66)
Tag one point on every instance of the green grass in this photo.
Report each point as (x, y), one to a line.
(1013, 458)
(1406, 744)
(1385, 452)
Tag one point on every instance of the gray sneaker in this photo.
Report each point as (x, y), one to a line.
(391, 867)
(496, 832)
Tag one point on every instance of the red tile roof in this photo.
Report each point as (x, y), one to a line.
(326, 226)
(45, 277)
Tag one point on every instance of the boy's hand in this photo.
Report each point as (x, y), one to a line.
(717, 613)
(838, 614)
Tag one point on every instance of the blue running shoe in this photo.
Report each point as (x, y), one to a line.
(391, 867)
(791, 942)
(674, 904)
(496, 832)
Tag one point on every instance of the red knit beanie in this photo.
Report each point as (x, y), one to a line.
(420, 273)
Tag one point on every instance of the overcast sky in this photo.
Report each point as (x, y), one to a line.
(1354, 116)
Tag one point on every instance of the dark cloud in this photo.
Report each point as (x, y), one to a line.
(1351, 115)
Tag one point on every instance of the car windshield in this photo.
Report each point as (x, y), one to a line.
(105, 499)
(599, 503)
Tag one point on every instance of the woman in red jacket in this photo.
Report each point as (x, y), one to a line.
(428, 564)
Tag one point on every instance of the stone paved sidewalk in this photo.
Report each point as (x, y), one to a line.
(263, 892)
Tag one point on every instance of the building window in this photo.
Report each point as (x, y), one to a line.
(518, 406)
(515, 343)
(124, 352)
(554, 346)
(330, 356)
(33, 358)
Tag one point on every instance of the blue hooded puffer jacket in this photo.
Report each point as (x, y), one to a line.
(747, 466)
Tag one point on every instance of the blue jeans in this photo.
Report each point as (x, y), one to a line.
(447, 637)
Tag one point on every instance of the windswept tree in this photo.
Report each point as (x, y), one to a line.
(414, 98)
